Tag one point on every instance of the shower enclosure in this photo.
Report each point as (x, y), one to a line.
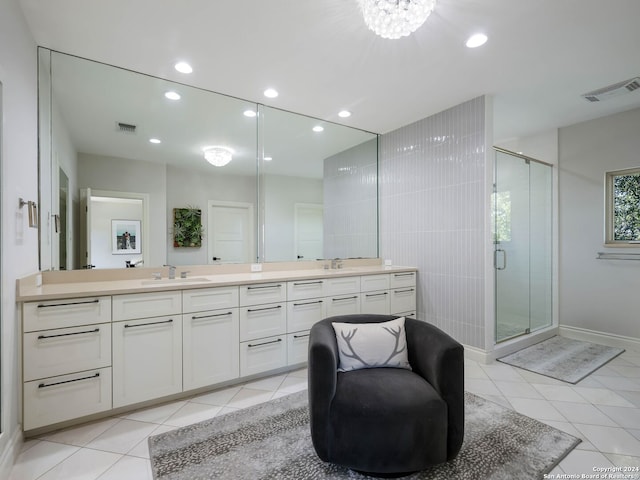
(523, 240)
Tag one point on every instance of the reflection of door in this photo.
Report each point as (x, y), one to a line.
(308, 231)
(230, 232)
(85, 228)
(61, 222)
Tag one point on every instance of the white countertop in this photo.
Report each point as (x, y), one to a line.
(28, 291)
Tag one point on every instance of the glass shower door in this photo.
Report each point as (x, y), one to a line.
(522, 237)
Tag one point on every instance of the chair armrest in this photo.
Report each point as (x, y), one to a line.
(323, 371)
(439, 359)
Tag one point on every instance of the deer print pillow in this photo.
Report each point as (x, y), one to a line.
(372, 345)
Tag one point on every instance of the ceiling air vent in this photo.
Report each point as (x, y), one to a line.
(126, 127)
(613, 90)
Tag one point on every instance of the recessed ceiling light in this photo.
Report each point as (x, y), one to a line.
(183, 67)
(476, 40)
(268, 159)
(318, 128)
(344, 113)
(249, 113)
(271, 93)
(171, 95)
(155, 140)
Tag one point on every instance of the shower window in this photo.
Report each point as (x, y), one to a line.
(623, 207)
(501, 216)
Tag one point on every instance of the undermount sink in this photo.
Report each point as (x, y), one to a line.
(170, 281)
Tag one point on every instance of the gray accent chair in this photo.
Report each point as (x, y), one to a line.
(387, 421)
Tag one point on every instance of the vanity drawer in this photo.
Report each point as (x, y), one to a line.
(263, 293)
(65, 313)
(402, 279)
(301, 289)
(262, 321)
(341, 286)
(403, 300)
(375, 302)
(56, 352)
(66, 397)
(297, 348)
(202, 299)
(343, 305)
(302, 314)
(263, 355)
(372, 283)
(145, 305)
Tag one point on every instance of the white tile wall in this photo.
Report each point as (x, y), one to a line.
(432, 210)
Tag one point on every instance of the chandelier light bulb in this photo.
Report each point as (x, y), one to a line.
(395, 18)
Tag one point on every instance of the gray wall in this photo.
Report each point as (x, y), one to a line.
(598, 295)
(433, 206)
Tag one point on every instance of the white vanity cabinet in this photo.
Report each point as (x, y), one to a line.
(147, 350)
(306, 305)
(66, 359)
(402, 293)
(210, 336)
(263, 327)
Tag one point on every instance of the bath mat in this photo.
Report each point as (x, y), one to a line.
(272, 441)
(563, 358)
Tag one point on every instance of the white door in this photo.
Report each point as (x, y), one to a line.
(308, 231)
(230, 232)
(85, 228)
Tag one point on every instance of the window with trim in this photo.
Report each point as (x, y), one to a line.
(623, 207)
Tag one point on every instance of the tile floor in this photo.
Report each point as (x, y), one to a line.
(603, 410)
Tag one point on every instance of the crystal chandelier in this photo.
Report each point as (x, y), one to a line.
(395, 18)
(218, 156)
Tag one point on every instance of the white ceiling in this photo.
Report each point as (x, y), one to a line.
(540, 57)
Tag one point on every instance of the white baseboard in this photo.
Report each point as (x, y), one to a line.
(593, 336)
(10, 453)
(475, 354)
(500, 350)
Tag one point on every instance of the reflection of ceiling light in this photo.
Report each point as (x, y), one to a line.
(154, 140)
(218, 156)
(249, 113)
(183, 67)
(395, 18)
(271, 93)
(344, 113)
(318, 128)
(268, 159)
(171, 95)
(476, 40)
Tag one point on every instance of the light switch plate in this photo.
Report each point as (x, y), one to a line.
(388, 263)
(256, 267)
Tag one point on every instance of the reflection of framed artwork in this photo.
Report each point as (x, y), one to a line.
(125, 236)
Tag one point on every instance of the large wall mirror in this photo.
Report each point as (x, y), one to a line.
(124, 180)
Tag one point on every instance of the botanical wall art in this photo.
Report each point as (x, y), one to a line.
(187, 227)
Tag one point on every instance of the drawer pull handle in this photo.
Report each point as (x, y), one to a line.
(301, 336)
(404, 291)
(67, 304)
(318, 282)
(403, 274)
(376, 294)
(149, 323)
(265, 308)
(211, 316)
(264, 343)
(264, 286)
(45, 385)
(344, 298)
(41, 337)
(306, 303)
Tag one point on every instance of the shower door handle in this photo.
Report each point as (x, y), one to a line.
(495, 259)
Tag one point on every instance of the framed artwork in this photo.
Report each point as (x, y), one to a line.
(125, 237)
(187, 227)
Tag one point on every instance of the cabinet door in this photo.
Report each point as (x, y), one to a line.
(403, 300)
(262, 355)
(302, 289)
(66, 397)
(372, 283)
(375, 302)
(262, 321)
(65, 313)
(206, 299)
(147, 359)
(341, 286)
(66, 350)
(402, 279)
(211, 347)
(343, 305)
(297, 348)
(262, 293)
(302, 314)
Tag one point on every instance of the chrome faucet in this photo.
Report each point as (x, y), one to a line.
(172, 271)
